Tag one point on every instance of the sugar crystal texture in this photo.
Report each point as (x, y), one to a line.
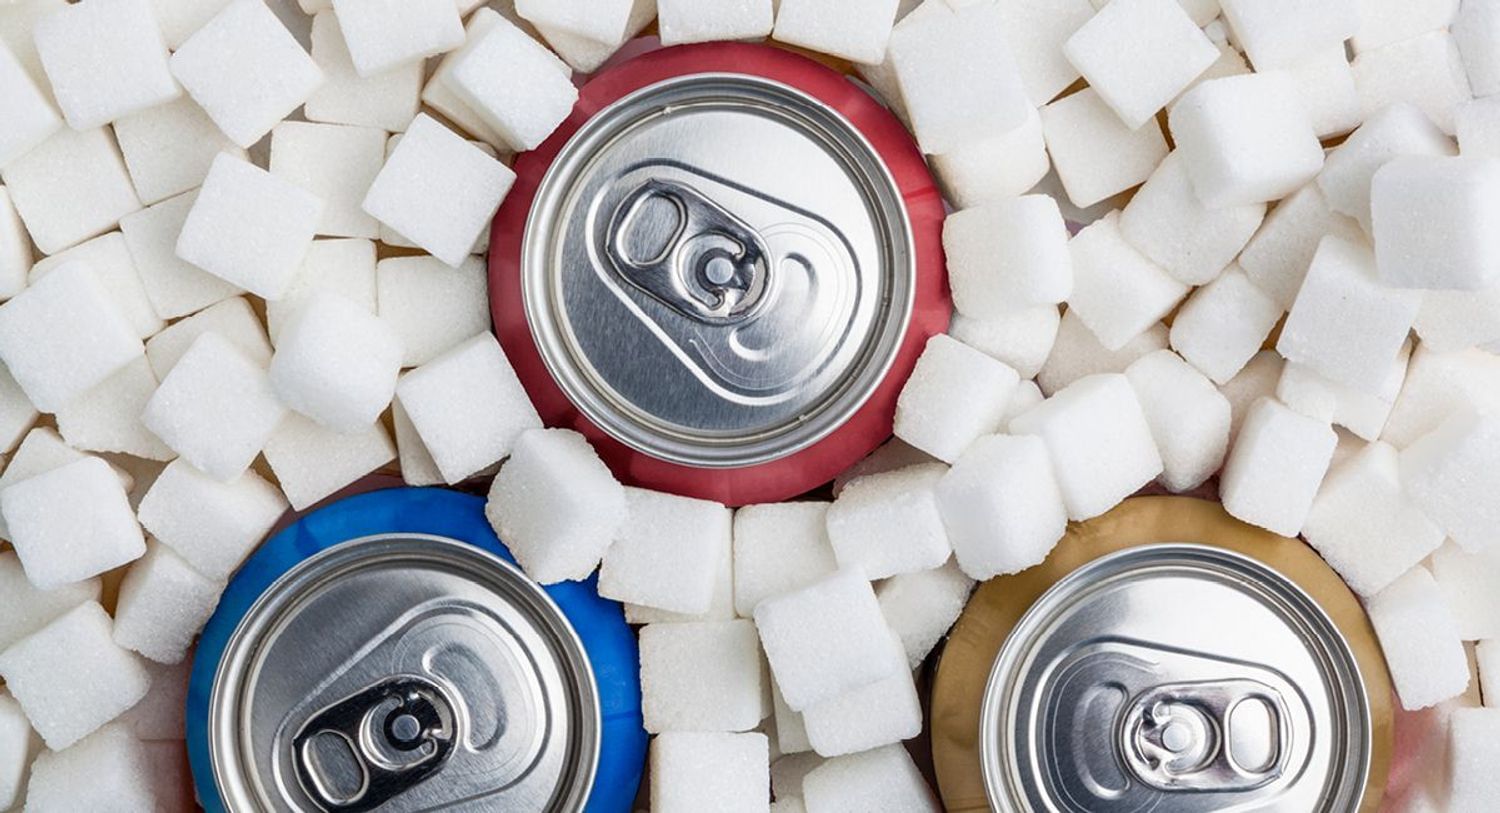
(70, 188)
(1117, 292)
(684, 21)
(1419, 636)
(174, 286)
(104, 59)
(857, 30)
(1434, 219)
(597, 20)
(1036, 31)
(110, 259)
(1360, 411)
(212, 525)
(1223, 325)
(440, 96)
(1325, 87)
(58, 543)
(162, 606)
(1395, 131)
(180, 19)
(1021, 339)
(1450, 474)
(884, 712)
(30, 116)
(1438, 385)
(1005, 256)
(1189, 418)
(954, 395)
(889, 523)
(1096, 156)
(1002, 506)
(692, 772)
(312, 461)
(1467, 581)
(1277, 258)
(880, 779)
(1285, 33)
(1139, 54)
(1077, 353)
(779, 547)
(432, 306)
(1278, 462)
(512, 83)
(383, 35)
(1425, 71)
(667, 552)
(337, 363)
(921, 607)
(110, 770)
(107, 418)
(387, 100)
(996, 168)
(1166, 222)
(234, 319)
(342, 267)
(24, 609)
(702, 677)
(336, 164)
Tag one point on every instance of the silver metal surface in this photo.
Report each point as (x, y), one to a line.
(404, 673)
(1175, 678)
(718, 270)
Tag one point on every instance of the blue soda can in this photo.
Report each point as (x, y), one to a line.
(385, 653)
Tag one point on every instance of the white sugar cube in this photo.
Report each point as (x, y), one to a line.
(70, 188)
(107, 418)
(391, 237)
(720, 607)
(954, 395)
(1477, 33)
(105, 59)
(71, 678)
(666, 553)
(24, 609)
(109, 770)
(696, 771)
(180, 19)
(59, 544)
(1036, 31)
(18, 747)
(163, 605)
(1273, 472)
(1455, 320)
(1096, 156)
(1257, 380)
(881, 779)
(1398, 130)
(1277, 257)
(110, 259)
(597, 20)
(1285, 33)
(889, 523)
(16, 411)
(1008, 255)
(336, 164)
(1420, 639)
(1325, 86)
(342, 267)
(1139, 54)
(555, 505)
(684, 21)
(1474, 748)
(1439, 384)
(512, 83)
(387, 100)
(174, 286)
(1449, 473)
(1166, 222)
(1433, 219)
(587, 55)
(995, 168)
(1117, 292)
(216, 408)
(1468, 581)
(249, 227)
(1077, 353)
(1478, 126)
(431, 306)
(1189, 418)
(63, 336)
(889, 456)
(468, 406)
(312, 461)
(882, 713)
(337, 363)
(1099, 442)
(826, 639)
(1002, 506)
(1021, 339)
(778, 548)
(1245, 139)
(15, 249)
(212, 525)
(921, 607)
(438, 190)
(1386, 21)
(1360, 411)
(17, 27)
(1028, 395)
(386, 34)
(438, 95)
(416, 464)
(30, 117)
(1425, 71)
(702, 677)
(161, 714)
(246, 70)
(1223, 324)
(234, 319)
(856, 30)
(41, 451)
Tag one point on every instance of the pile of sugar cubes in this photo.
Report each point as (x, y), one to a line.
(1248, 248)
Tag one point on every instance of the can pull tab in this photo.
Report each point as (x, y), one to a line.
(688, 252)
(1212, 736)
(362, 751)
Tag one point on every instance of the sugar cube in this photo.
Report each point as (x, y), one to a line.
(1096, 156)
(921, 607)
(996, 168)
(1449, 473)
(312, 461)
(30, 116)
(1285, 33)
(174, 286)
(57, 543)
(212, 525)
(1438, 384)
(884, 712)
(431, 306)
(1325, 86)
(438, 190)
(70, 188)
(555, 505)
(161, 714)
(825, 639)
(109, 258)
(216, 408)
(1138, 55)
(1166, 222)
(17, 30)
(587, 55)
(1002, 506)
(1478, 126)
(1362, 412)
(666, 553)
(1008, 255)
(440, 96)
(71, 678)
(391, 237)
(1189, 418)
(416, 464)
(1277, 257)
(41, 451)
(1383, 22)
(1472, 753)
(386, 100)
(468, 406)
(162, 606)
(107, 418)
(1425, 71)
(27, 609)
(857, 31)
(880, 779)
(1401, 129)
(386, 34)
(1020, 339)
(720, 607)
(342, 267)
(597, 20)
(246, 70)
(1432, 219)
(105, 59)
(1036, 31)
(233, 319)
(1077, 353)
(889, 523)
(1419, 636)
(1258, 379)
(1117, 292)
(16, 412)
(1455, 320)
(1274, 470)
(1477, 33)
(337, 363)
(1467, 581)
(18, 747)
(889, 456)
(954, 395)
(180, 19)
(1223, 324)
(684, 21)
(109, 770)
(778, 548)
(702, 677)
(336, 164)
(512, 83)
(15, 249)
(696, 771)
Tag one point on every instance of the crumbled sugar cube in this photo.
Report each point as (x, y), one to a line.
(1468, 581)
(921, 607)
(107, 418)
(416, 464)
(163, 605)
(1478, 126)
(1364, 526)
(1473, 751)
(1382, 22)
(1008, 255)
(109, 770)
(70, 188)
(1223, 325)
(1398, 130)
(161, 714)
(57, 543)
(71, 678)
(1419, 636)
(30, 117)
(1345, 324)
(1438, 384)
(1002, 506)
(826, 639)
(110, 259)
(1477, 33)
(880, 779)
(1258, 379)
(342, 267)
(702, 677)
(1284, 33)
(104, 59)
(777, 548)
(174, 287)
(512, 83)
(857, 30)
(684, 21)
(440, 96)
(995, 168)
(386, 100)
(1189, 418)
(383, 35)
(1117, 292)
(597, 20)
(587, 55)
(337, 363)
(246, 70)
(1077, 353)
(882, 713)
(1275, 467)
(180, 19)
(1433, 220)
(1362, 412)
(1096, 156)
(1425, 71)
(889, 456)
(1167, 224)
(15, 249)
(1021, 339)
(1245, 139)
(24, 609)
(212, 525)
(696, 771)
(1138, 55)
(16, 412)
(249, 227)
(234, 319)
(556, 505)
(1325, 86)
(954, 395)
(432, 306)
(312, 461)
(216, 408)
(335, 163)
(467, 406)
(1277, 257)
(666, 553)
(63, 336)
(438, 190)
(1455, 320)
(18, 747)
(1036, 31)
(889, 523)
(1450, 474)
(956, 73)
